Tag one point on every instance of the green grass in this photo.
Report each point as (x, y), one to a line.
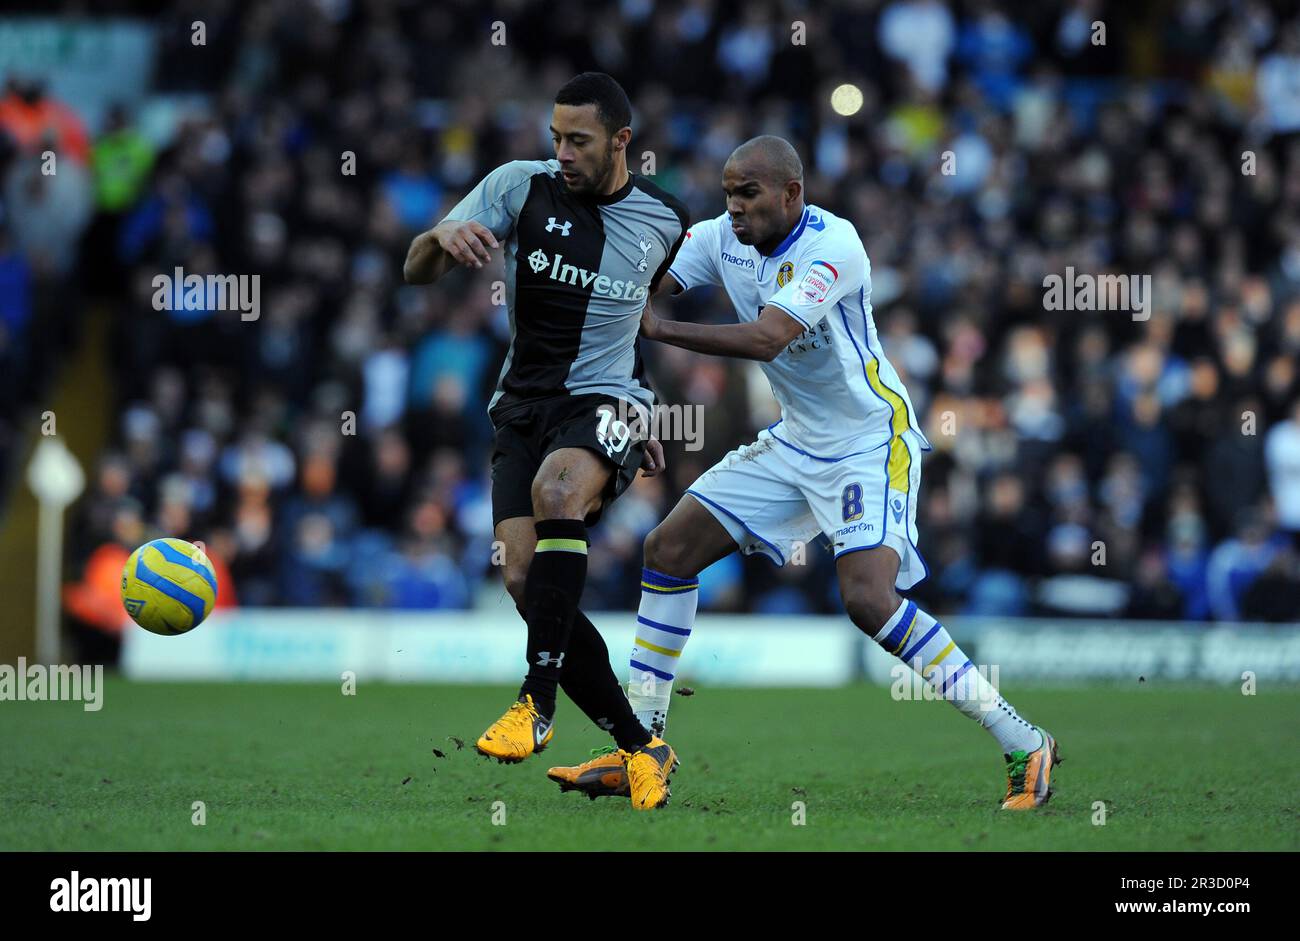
(302, 767)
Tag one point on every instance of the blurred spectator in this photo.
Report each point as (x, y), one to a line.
(47, 212)
(1282, 457)
(1155, 596)
(35, 120)
(1279, 84)
(920, 34)
(120, 160)
(1238, 562)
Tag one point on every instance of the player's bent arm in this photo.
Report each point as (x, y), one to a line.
(669, 286)
(451, 242)
(762, 339)
(426, 262)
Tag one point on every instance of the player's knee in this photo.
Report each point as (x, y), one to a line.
(557, 499)
(515, 577)
(870, 607)
(666, 552)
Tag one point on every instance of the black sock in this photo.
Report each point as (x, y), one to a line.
(589, 681)
(552, 591)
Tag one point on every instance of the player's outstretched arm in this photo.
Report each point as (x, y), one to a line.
(762, 339)
(450, 243)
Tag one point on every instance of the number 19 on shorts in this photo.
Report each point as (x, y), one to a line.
(613, 433)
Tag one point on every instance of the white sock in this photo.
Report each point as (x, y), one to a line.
(925, 645)
(663, 625)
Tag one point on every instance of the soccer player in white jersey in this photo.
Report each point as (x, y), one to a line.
(844, 459)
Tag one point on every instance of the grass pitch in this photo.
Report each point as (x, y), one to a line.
(302, 767)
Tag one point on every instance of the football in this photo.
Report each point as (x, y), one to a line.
(168, 586)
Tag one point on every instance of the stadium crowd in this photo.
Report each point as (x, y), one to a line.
(334, 451)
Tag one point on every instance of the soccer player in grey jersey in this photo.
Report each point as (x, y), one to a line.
(585, 243)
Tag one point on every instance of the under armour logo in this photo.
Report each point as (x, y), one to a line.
(544, 659)
(552, 225)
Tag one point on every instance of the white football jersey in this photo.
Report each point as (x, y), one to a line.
(838, 393)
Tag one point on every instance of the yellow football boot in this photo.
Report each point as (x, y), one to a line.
(1029, 775)
(602, 776)
(648, 769)
(517, 734)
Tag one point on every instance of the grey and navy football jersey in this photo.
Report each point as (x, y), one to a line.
(578, 272)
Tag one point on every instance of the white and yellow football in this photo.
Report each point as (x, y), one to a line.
(169, 586)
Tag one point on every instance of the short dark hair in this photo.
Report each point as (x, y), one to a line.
(599, 89)
(774, 157)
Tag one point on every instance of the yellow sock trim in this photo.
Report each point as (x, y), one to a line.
(657, 649)
(902, 644)
(562, 545)
(942, 653)
(660, 589)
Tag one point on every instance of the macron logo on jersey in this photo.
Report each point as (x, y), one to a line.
(737, 260)
(599, 283)
(817, 283)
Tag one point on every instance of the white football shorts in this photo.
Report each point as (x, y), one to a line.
(771, 497)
